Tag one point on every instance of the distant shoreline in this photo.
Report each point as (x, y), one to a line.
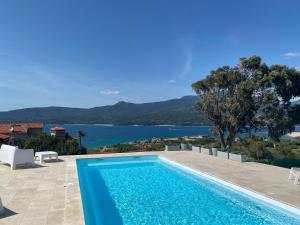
(134, 125)
(104, 134)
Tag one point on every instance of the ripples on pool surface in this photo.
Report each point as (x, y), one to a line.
(146, 190)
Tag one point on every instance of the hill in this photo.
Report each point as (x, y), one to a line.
(174, 111)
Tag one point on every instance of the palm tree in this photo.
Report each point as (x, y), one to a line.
(79, 135)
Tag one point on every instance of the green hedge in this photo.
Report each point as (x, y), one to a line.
(45, 142)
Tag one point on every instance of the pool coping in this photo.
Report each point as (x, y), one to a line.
(249, 192)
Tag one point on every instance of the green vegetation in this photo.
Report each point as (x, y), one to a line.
(249, 96)
(122, 148)
(45, 142)
(285, 154)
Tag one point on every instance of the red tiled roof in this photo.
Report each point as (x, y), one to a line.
(19, 127)
(57, 129)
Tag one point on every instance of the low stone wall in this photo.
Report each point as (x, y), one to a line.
(237, 157)
(232, 156)
(206, 151)
(184, 147)
(222, 155)
(214, 151)
(196, 149)
(172, 148)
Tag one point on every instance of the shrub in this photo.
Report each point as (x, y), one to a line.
(257, 150)
(284, 149)
(215, 145)
(45, 142)
(204, 142)
(124, 148)
(237, 149)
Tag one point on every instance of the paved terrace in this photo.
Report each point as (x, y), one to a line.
(49, 193)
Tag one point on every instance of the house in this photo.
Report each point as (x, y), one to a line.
(58, 132)
(12, 133)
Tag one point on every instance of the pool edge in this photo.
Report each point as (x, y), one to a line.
(257, 195)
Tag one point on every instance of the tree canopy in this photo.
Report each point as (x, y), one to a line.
(249, 96)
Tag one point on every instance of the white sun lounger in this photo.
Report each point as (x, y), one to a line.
(14, 156)
(46, 154)
(295, 174)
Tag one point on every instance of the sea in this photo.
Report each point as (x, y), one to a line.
(98, 135)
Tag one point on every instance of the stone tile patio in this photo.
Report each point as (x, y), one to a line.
(49, 193)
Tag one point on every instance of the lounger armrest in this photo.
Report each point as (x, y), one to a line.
(7, 153)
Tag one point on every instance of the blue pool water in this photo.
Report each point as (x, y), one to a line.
(146, 190)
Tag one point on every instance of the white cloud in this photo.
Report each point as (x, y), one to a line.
(171, 81)
(110, 92)
(291, 54)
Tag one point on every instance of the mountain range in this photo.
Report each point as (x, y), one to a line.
(175, 111)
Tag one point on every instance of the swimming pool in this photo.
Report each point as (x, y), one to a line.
(153, 190)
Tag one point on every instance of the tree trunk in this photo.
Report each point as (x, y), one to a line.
(229, 140)
(222, 139)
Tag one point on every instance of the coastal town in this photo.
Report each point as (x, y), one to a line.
(14, 133)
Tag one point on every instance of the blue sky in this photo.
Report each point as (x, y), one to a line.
(92, 53)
